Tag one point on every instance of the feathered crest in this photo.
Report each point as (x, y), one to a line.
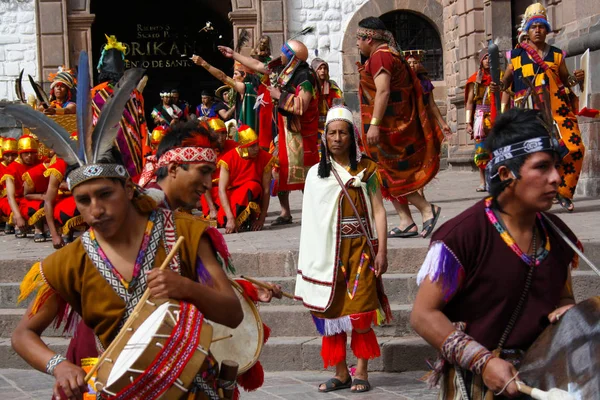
(305, 31)
(243, 39)
(84, 112)
(39, 92)
(19, 88)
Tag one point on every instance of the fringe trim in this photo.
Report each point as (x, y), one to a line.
(5, 177)
(249, 289)
(74, 223)
(373, 183)
(27, 179)
(441, 263)
(244, 215)
(223, 255)
(333, 349)
(365, 345)
(55, 173)
(34, 281)
(253, 378)
(39, 214)
(222, 163)
(334, 326)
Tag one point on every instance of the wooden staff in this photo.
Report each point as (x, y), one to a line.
(134, 314)
(266, 286)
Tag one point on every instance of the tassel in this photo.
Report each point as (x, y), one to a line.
(333, 349)
(363, 321)
(249, 289)
(236, 393)
(253, 378)
(221, 247)
(364, 345)
(266, 333)
(203, 274)
(33, 281)
(442, 263)
(383, 302)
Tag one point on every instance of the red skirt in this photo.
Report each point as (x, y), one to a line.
(31, 210)
(66, 215)
(5, 209)
(245, 203)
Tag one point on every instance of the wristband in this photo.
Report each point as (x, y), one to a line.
(571, 81)
(53, 363)
(469, 116)
(375, 121)
(503, 108)
(462, 350)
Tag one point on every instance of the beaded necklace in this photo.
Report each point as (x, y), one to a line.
(139, 259)
(510, 242)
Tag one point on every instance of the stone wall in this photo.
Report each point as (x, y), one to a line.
(18, 46)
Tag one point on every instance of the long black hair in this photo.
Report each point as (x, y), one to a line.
(514, 126)
(325, 165)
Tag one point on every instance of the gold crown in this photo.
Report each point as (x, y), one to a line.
(217, 124)
(27, 144)
(9, 145)
(536, 9)
(157, 134)
(246, 136)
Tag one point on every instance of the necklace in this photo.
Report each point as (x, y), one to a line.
(139, 259)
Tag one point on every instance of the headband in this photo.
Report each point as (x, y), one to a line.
(503, 154)
(341, 113)
(165, 94)
(180, 155)
(288, 51)
(378, 34)
(95, 171)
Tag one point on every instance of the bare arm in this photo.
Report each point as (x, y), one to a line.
(211, 204)
(507, 81)
(264, 205)
(249, 62)
(14, 206)
(220, 75)
(382, 95)
(438, 115)
(381, 227)
(212, 300)
(469, 109)
(226, 115)
(223, 184)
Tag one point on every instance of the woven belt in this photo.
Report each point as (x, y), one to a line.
(350, 228)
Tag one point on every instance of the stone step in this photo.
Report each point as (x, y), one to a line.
(288, 354)
(278, 263)
(283, 320)
(400, 289)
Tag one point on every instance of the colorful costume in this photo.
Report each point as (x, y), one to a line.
(207, 112)
(245, 190)
(328, 92)
(36, 182)
(336, 278)
(297, 129)
(476, 248)
(64, 77)
(80, 268)
(543, 72)
(485, 109)
(408, 153)
(133, 131)
(167, 113)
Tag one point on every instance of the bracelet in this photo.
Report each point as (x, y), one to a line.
(468, 116)
(571, 81)
(375, 121)
(461, 349)
(503, 108)
(53, 363)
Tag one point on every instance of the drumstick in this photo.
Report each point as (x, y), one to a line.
(552, 394)
(134, 313)
(221, 338)
(266, 286)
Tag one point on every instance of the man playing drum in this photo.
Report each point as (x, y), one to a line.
(103, 274)
(496, 262)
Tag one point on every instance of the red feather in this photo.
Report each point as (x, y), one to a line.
(267, 333)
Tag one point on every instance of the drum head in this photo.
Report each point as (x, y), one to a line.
(245, 345)
(567, 354)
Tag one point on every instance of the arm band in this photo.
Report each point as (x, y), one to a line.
(375, 121)
(462, 350)
(53, 363)
(469, 116)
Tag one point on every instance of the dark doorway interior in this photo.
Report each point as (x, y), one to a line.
(161, 37)
(413, 32)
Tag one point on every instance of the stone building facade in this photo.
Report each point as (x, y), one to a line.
(40, 45)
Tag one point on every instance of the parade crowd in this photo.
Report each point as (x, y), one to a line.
(277, 125)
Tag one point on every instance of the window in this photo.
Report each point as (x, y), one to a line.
(413, 32)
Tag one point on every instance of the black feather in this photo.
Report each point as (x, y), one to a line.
(243, 39)
(305, 31)
(19, 87)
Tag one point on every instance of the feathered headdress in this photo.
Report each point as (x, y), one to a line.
(93, 145)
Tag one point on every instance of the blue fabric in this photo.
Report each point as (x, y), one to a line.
(287, 51)
(319, 324)
(538, 20)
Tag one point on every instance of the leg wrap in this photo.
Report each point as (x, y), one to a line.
(333, 349)
(364, 345)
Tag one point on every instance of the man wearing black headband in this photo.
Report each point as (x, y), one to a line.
(475, 271)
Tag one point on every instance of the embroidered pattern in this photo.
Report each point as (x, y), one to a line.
(364, 257)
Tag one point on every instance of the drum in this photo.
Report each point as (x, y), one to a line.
(159, 356)
(246, 342)
(567, 354)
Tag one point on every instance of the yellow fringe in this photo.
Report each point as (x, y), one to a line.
(269, 165)
(74, 223)
(10, 219)
(380, 317)
(5, 177)
(244, 215)
(34, 281)
(55, 173)
(222, 163)
(39, 214)
(27, 179)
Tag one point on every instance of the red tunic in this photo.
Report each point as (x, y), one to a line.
(245, 189)
(66, 215)
(14, 171)
(37, 183)
(214, 191)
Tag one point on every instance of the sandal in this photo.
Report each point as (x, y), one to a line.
(480, 188)
(430, 223)
(405, 233)
(9, 230)
(565, 202)
(360, 382)
(19, 234)
(282, 221)
(39, 238)
(335, 384)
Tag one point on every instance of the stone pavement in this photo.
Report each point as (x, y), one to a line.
(26, 385)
